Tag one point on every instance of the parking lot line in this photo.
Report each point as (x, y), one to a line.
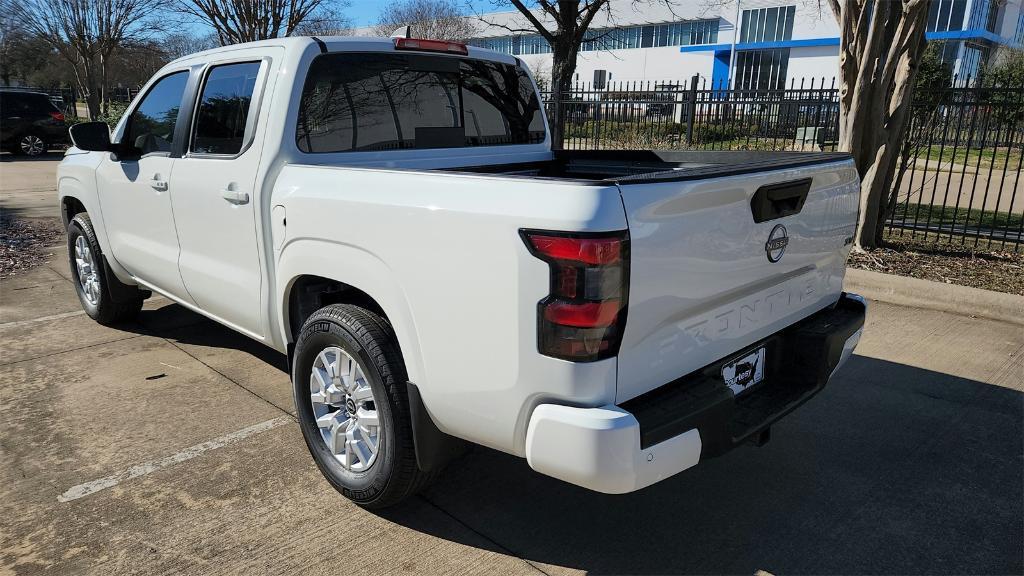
(42, 319)
(82, 490)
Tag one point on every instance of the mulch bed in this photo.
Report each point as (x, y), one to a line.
(24, 242)
(986, 267)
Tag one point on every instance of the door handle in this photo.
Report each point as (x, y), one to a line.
(234, 196)
(158, 184)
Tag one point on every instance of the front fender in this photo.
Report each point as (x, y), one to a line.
(76, 178)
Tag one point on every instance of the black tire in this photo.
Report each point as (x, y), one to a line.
(365, 336)
(105, 309)
(18, 150)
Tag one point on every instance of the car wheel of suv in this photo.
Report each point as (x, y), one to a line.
(31, 145)
(349, 383)
(86, 262)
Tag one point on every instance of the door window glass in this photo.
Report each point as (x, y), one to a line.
(151, 125)
(224, 108)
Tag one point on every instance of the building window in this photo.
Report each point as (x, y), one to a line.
(985, 15)
(971, 60)
(767, 24)
(1018, 37)
(946, 15)
(762, 69)
(652, 36)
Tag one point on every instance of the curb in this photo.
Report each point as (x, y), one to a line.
(952, 298)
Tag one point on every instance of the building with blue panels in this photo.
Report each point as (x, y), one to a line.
(754, 44)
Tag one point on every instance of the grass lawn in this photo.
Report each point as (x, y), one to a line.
(996, 157)
(923, 213)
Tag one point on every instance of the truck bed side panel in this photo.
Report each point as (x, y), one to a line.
(463, 289)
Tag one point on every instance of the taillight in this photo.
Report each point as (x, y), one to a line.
(431, 46)
(59, 117)
(583, 317)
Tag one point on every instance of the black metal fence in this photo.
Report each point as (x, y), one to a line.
(696, 114)
(959, 177)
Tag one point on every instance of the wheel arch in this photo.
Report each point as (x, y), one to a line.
(76, 192)
(314, 273)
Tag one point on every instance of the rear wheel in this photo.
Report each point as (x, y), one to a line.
(91, 283)
(349, 383)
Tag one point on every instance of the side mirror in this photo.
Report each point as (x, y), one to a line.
(91, 136)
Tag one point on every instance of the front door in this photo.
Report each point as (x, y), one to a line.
(215, 201)
(134, 190)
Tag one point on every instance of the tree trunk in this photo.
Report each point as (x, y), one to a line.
(105, 105)
(92, 89)
(882, 43)
(562, 70)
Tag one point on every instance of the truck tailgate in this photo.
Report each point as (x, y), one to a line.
(705, 279)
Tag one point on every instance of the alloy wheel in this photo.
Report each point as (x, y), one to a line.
(345, 409)
(32, 145)
(88, 275)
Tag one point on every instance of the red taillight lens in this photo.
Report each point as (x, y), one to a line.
(431, 46)
(585, 250)
(59, 117)
(583, 317)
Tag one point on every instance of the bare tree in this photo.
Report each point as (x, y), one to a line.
(180, 44)
(437, 19)
(881, 45)
(237, 21)
(86, 33)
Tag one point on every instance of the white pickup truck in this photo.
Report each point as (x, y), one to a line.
(390, 214)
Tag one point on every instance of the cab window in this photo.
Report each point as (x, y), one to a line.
(151, 125)
(224, 109)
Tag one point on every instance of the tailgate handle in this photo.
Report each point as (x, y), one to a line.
(778, 200)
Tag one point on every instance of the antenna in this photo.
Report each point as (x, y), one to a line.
(402, 32)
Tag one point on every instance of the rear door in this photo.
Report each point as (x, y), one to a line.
(215, 200)
(717, 264)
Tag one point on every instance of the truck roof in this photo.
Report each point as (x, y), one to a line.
(336, 44)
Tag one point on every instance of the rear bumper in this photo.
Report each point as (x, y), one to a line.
(617, 449)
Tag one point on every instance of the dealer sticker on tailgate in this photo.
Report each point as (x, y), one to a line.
(742, 373)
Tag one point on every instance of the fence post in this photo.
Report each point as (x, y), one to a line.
(691, 109)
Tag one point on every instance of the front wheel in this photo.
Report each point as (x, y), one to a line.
(86, 263)
(30, 145)
(349, 383)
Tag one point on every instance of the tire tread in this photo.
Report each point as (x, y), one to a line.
(377, 337)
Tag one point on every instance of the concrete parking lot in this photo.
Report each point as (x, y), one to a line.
(168, 446)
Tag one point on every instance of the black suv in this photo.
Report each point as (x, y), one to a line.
(30, 123)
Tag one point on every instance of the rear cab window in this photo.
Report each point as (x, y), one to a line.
(373, 101)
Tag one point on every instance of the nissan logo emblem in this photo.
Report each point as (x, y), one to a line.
(775, 247)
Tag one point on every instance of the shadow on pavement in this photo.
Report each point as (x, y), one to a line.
(891, 469)
(180, 324)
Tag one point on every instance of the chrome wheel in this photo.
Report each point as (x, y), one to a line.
(345, 409)
(88, 275)
(32, 145)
